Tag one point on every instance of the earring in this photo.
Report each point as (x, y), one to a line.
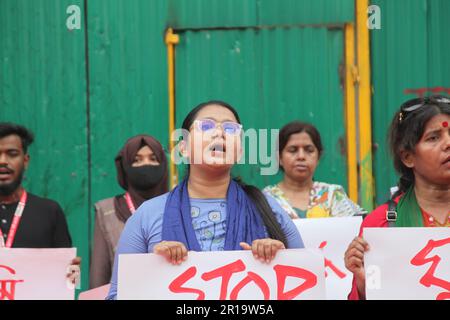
(400, 117)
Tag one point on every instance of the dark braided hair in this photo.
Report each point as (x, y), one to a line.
(406, 130)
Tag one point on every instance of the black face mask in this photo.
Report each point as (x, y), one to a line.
(144, 177)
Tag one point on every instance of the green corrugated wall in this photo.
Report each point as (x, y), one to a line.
(411, 51)
(271, 77)
(83, 92)
(43, 86)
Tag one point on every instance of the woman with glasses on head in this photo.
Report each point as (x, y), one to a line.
(419, 138)
(208, 210)
(299, 152)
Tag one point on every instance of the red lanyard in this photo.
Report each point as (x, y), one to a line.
(15, 222)
(129, 203)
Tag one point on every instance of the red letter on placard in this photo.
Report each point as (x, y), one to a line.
(288, 271)
(429, 279)
(330, 264)
(8, 287)
(257, 280)
(225, 272)
(176, 285)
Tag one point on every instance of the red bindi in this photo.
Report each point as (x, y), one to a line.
(445, 124)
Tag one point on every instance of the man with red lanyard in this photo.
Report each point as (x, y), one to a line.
(26, 220)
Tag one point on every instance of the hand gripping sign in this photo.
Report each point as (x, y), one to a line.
(333, 236)
(226, 275)
(35, 274)
(407, 263)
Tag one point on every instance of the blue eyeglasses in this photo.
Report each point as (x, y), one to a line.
(229, 127)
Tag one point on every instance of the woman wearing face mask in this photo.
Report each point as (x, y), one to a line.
(208, 211)
(142, 171)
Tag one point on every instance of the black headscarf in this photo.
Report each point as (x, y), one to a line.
(125, 159)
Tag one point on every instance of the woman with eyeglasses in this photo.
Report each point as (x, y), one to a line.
(208, 210)
(419, 138)
(299, 151)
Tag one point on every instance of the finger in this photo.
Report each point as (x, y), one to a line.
(158, 248)
(356, 262)
(184, 252)
(275, 248)
(359, 247)
(179, 254)
(268, 252)
(353, 252)
(261, 251)
(166, 253)
(245, 246)
(357, 265)
(361, 242)
(255, 249)
(173, 254)
(355, 245)
(357, 253)
(162, 250)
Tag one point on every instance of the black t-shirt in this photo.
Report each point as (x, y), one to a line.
(43, 224)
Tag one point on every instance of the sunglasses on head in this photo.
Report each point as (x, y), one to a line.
(229, 127)
(418, 103)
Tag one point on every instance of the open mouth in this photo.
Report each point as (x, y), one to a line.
(446, 161)
(217, 147)
(5, 173)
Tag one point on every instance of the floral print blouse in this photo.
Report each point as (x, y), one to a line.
(325, 200)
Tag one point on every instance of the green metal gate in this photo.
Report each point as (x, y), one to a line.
(271, 76)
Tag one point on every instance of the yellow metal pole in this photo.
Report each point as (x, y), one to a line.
(350, 119)
(364, 105)
(171, 40)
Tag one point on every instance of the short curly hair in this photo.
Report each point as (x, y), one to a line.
(8, 128)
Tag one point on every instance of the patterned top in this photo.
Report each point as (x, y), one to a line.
(430, 221)
(209, 222)
(325, 200)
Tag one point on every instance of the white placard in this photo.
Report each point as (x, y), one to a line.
(407, 263)
(35, 274)
(293, 274)
(333, 235)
